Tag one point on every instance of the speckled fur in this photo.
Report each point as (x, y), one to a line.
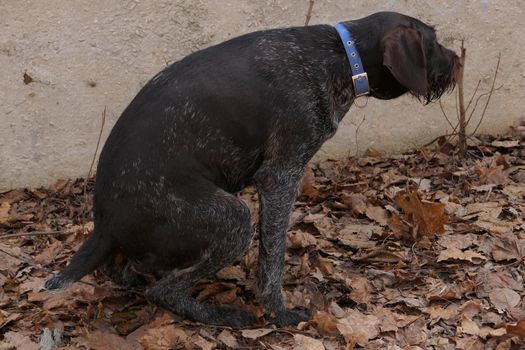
(252, 110)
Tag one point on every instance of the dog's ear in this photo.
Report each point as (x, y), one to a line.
(404, 56)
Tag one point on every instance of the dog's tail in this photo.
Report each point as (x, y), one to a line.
(93, 252)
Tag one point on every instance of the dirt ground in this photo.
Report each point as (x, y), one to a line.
(411, 251)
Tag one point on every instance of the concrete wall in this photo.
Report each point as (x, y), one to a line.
(79, 57)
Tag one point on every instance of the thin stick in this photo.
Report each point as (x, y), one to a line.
(309, 13)
(477, 101)
(357, 135)
(445, 115)
(462, 140)
(34, 234)
(84, 203)
(473, 95)
(490, 95)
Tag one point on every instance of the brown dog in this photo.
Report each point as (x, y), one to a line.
(254, 109)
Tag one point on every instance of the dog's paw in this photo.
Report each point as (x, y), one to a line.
(289, 318)
(57, 282)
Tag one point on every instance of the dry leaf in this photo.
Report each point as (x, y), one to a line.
(506, 144)
(459, 241)
(321, 222)
(356, 201)
(456, 254)
(307, 186)
(471, 308)
(504, 298)
(360, 290)
(231, 273)
(4, 212)
(443, 291)
(467, 326)
(228, 339)
(487, 217)
(325, 323)
(488, 281)
(49, 253)
(17, 340)
(487, 332)
(300, 239)
(256, 333)
(202, 343)
(408, 301)
(437, 313)
(214, 289)
(426, 217)
(392, 321)
(355, 326)
(303, 342)
(515, 191)
(358, 236)
(377, 214)
(102, 340)
(518, 329)
(226, 297)
(416, 333)
(469, 343)
(10, 258)
(163, 338)
(496, 175)
(325, 266)
(506, 247)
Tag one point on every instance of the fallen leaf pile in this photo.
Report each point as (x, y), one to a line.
(412, 251)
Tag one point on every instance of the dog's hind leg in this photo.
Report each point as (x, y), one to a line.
(220, 226)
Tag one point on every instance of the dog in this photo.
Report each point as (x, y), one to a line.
(251, 110)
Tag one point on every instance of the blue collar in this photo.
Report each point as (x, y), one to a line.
(359, 76)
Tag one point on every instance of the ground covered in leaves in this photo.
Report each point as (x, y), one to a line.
(414, 251)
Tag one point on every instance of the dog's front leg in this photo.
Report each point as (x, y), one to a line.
(277, 191)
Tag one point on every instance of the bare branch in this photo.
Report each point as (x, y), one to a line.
(462, 139)
(357, 135)
(84, 203)
(490, 95)
(473, 95)
(35, 234)
(309, 13)
(445, 115)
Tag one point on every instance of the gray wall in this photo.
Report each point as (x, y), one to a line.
(83, 56)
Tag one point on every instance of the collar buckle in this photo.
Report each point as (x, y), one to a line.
(361, 86)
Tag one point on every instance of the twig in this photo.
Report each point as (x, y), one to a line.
(34, 234)
(462, 140)
(490, 95)
(446, 117)
(309, 13)
(357, 135)
(477, 101)
(473, 95)
(84, 203)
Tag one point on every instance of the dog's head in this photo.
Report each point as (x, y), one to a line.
(401, 54)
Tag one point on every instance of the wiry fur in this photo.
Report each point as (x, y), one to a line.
(252, 110)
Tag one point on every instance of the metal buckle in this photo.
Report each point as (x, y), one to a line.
(357, 77)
